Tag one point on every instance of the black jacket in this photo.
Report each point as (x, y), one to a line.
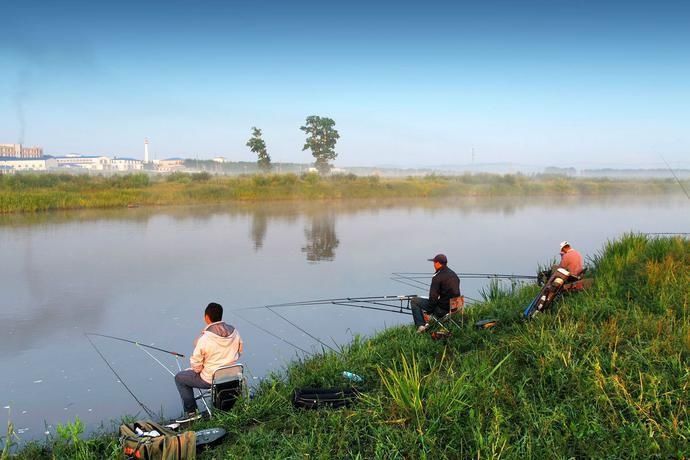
(444, 286)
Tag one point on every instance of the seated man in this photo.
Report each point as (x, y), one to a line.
(571, 260)
(218, 345)
(445, 285)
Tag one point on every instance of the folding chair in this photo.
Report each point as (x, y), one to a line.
(456, 311)
(227, 385)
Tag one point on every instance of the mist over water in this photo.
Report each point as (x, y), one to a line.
(147, 274)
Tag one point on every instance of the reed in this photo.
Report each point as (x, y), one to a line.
(44, 192)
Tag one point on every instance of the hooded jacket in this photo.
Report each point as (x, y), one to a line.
(218, 345)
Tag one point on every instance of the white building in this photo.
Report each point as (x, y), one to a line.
(126, 164)
(220, 160)
(27, 164)
(96, 163)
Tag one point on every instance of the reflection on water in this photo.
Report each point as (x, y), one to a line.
(259, 228)
(147, 274)
(322, 240)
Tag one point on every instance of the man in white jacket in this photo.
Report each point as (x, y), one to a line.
(218, 345)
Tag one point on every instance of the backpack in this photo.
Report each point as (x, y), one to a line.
(169, 445)
(317, 398)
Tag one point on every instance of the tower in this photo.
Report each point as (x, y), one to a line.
(146, 150)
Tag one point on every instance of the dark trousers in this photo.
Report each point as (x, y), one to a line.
(186, 381)
(419, 307)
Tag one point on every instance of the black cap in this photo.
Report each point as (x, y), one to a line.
(440, 258)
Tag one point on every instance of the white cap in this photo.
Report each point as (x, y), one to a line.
(564, 244)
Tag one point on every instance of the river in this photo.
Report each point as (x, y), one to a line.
(147, 275)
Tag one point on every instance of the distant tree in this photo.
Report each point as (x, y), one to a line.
(321, 140)
(257, 145)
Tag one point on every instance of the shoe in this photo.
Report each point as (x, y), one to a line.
(423, 328)
(189, 417)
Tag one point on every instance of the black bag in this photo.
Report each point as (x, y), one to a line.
(317, 398)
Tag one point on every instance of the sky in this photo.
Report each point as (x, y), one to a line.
(558, 82)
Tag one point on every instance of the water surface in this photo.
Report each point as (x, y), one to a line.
(147, 274)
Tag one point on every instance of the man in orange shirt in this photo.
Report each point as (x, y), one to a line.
(571, 260)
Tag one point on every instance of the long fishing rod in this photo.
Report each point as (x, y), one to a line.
(269, 332)
(676, 177)
(418, 276)
(302, 330)
(370, 299)
(148, 411)
(174, 353)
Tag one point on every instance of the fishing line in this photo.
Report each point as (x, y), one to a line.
(269, 332)
(156, 359)
(143, 406)
(299, 328)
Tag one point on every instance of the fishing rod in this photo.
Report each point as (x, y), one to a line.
(174, 353)
(148, 411)
(300, 329)
(418, 276)
(267, 331)
(676, 177)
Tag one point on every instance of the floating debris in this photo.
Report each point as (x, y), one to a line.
(6, 407)
(38, 381)
(22, 430)
(24, 412)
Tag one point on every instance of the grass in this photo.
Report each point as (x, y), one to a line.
(606, 374)
(43, 192)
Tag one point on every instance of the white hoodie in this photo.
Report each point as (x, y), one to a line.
(218, 345)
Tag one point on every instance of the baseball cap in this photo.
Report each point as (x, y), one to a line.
(564, 244)
(440, 258)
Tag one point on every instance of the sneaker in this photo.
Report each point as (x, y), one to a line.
(422, 328)
(189, 417)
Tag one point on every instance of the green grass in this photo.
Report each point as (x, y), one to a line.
(604, 375)
(43, 192)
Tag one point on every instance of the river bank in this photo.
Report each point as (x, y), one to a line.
(604, 375)
(44, 192)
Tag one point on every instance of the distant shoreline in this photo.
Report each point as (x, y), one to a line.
(45, 192)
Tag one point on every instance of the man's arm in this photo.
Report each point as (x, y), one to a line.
(434, 290)
(197, 358)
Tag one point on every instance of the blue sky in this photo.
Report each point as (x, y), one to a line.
(533, 82)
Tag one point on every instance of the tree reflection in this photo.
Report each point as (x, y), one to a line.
(259, 228)
(321, 238)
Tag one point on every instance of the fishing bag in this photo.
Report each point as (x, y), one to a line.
(169, 445)
(318, 398)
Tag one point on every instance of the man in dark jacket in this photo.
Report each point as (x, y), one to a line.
(445, 285)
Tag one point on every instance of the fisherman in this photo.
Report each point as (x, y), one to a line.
(445, 285)
(218, 345)
(571, 260)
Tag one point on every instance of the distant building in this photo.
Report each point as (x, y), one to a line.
(27, 164)
(169, 164)
(19, 151)
(220, 160)
(11, 150)
(126, 164)
(97, 163)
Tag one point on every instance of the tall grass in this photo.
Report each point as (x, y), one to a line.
(606, 374)
(42, 192)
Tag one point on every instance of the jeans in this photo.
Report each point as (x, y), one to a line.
(186, 381)
(418, 305)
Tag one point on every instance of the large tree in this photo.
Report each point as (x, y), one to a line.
(257, 145)
(321, 140)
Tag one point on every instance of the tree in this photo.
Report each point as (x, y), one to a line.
(321, 140)
(257, 145)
